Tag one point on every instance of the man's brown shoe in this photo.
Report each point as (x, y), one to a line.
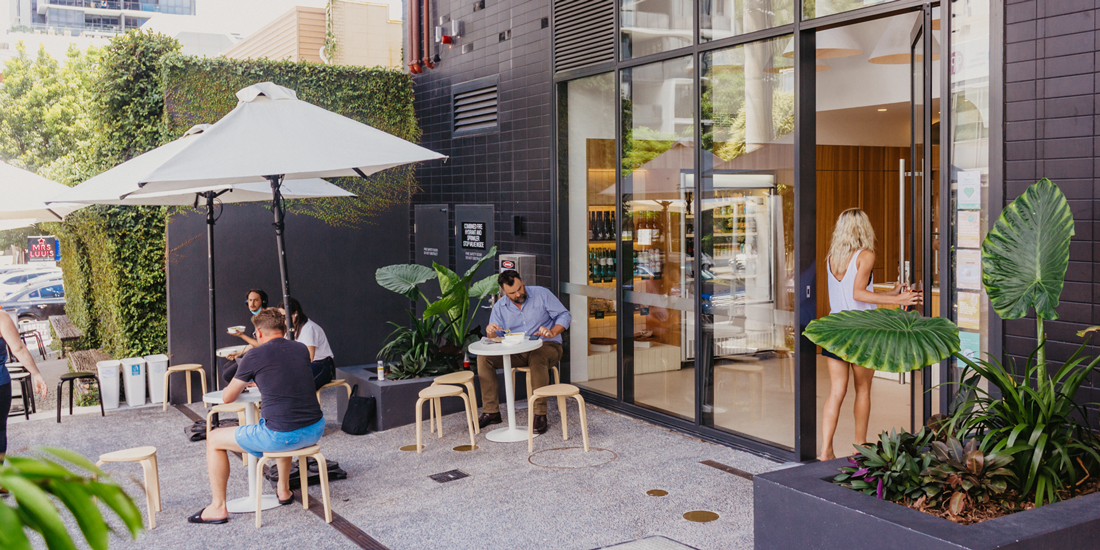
(540, 424)
(486, 419)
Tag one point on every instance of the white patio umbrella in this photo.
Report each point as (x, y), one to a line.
(273, 135)
(119, 186)
(23, 197)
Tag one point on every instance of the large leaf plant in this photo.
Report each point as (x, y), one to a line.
(1033, 418)
(37, 483)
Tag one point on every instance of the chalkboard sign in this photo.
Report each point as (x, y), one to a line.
(473, 235)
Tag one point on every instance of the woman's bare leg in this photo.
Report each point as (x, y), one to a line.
(838, 386)
(863, 378)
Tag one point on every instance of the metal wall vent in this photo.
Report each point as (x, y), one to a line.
(584, 33)
(475, 107)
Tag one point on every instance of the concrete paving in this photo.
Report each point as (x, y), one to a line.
(557, 497)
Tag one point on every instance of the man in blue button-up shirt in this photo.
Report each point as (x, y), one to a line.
(530, 310)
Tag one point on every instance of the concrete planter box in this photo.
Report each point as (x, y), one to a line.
(396, 399)
(800, 508)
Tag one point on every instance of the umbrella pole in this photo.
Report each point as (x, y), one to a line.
(209, 195)
(277, 206)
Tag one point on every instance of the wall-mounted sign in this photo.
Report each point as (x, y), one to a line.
(473, 235)
(42, 249)
(507, 264)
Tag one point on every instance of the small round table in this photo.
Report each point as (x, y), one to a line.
(510, 434)
(244, 505)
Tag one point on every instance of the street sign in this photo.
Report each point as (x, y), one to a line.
(42, 249)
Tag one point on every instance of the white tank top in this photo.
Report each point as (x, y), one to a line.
(841, 291)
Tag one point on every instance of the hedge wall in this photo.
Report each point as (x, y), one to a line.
(148, 94)
(200, 90)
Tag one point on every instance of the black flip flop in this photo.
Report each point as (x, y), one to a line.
(287, 501)
(197, 518)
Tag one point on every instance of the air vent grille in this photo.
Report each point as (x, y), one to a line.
(475, 111)
(584, 33)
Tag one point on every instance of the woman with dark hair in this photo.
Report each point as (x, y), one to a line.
(311, 334)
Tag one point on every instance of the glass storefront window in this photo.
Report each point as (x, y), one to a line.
(720, 19)
(655, 26)
(969, 142)
(746, 228)
(658, 107)
(586, 134)
(819, 8)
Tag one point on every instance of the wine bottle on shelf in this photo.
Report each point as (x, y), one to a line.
(611, 227)
(591, 226)
(656, 227)
(627, 229)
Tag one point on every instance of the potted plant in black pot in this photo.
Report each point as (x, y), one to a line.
(1014, 465)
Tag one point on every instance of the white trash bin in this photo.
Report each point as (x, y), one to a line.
(133, 375)
(108, 382)
(157, 367)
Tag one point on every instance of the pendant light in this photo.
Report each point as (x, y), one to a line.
(831, 44)
(893, 47)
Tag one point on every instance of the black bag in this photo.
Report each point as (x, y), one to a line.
(359, 414)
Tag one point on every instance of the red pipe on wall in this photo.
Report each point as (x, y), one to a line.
(414, 38)
(428, 34)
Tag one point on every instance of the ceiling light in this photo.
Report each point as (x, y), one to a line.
(882, 110)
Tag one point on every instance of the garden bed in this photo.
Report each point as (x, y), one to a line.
(801, 507)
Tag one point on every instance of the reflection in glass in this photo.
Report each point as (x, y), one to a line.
(657, 192)
(654, 26)
(587, 149)
(820, 8)
(747, 236)
(725, 18)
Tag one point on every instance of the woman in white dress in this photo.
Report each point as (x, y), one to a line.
(851, 258)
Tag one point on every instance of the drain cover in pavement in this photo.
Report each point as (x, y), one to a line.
(700, 516)
(650, 543)
(656, 492)
(569, 458)
(449, 476)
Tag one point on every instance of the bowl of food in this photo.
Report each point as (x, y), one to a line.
(237, 329)
(513, 338)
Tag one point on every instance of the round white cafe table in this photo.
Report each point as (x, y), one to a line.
(511, 433)
(246, 505)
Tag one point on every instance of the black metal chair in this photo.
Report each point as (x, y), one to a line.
(25, 388)
(70, 377)
(38, 338)
(27, 382)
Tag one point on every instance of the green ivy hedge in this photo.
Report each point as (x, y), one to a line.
(201, 90)
(148, 94)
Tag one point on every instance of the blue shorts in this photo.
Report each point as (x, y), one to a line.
(256, 439)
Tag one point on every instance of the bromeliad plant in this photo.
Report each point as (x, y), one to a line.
(1033, 418)
(963, 474)
(890, 469)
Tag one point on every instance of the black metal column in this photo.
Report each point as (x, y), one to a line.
(277, 207)
(805, 246)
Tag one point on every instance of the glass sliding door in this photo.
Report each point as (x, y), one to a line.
(586, 131)
(658, 108)
(746, 229)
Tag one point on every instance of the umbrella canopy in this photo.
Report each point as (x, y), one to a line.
(24, 198)
(272, 132)
(119, 186)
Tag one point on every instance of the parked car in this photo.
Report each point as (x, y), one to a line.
(36, 302)
(15, 280)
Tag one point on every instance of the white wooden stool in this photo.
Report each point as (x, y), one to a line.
(186, 369)
(464, 378)
(530, 392)
(147, 457)
(561, 391)
(314, 452)
(334, 384)
(433, 394)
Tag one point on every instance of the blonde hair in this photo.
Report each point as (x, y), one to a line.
(853, 232)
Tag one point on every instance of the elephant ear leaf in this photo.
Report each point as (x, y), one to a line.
(889, 340)
(484, 287)
(447, 279)
(404, 278)
(473, 269)
(1026, 253)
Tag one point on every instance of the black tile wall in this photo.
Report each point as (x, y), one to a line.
(1052, 103)
(510, 168)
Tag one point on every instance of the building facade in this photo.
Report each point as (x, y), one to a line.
(78, 17)
(677, 167)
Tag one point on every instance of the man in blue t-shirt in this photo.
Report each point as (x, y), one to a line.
(530, 310)
(291, 417)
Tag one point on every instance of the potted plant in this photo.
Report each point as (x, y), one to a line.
(1005, 454)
